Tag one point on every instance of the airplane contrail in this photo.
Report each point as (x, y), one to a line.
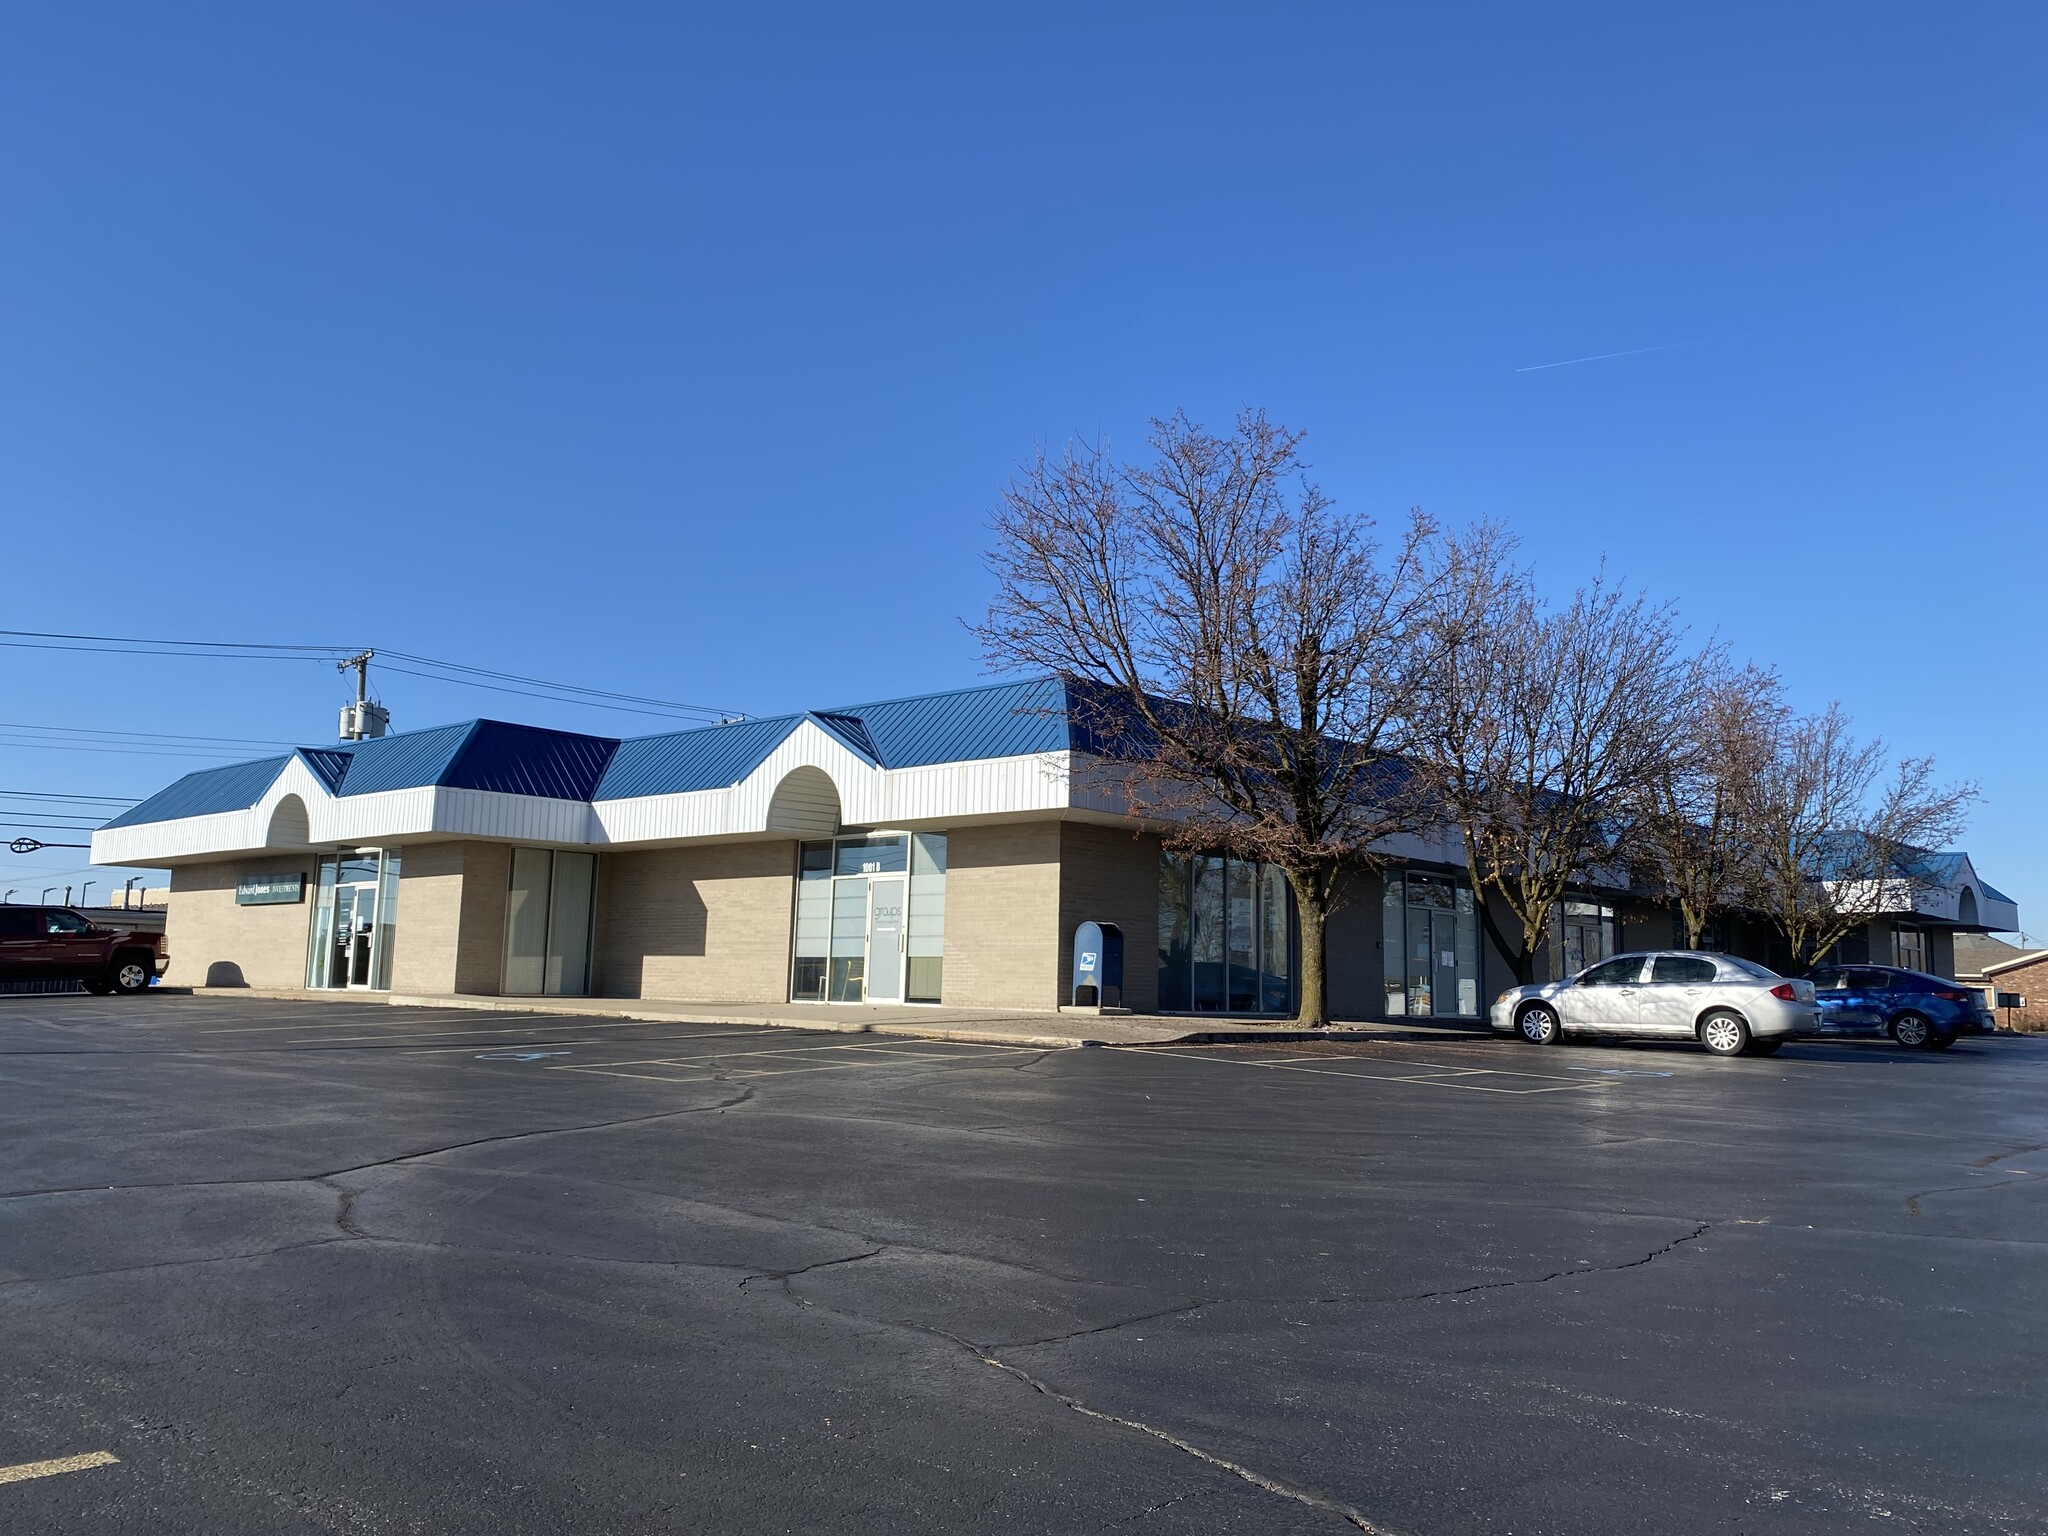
(1601, 357)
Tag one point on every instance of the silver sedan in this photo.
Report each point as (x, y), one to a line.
(1732, 1007)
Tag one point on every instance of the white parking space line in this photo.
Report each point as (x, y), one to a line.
(884, 1048)
(1420, 1081)
(712, 1064)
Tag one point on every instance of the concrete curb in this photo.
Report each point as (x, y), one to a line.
(1103, 1032)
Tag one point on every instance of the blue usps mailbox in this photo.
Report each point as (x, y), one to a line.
(1098, 966)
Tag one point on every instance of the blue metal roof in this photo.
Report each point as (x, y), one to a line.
(851, 730)
(995, 720)
(1992, 893)
(329, 764)
(710, 757)
(208, 792)
(410, 761)
(528, 760)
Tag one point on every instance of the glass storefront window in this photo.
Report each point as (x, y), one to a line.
(1276, 954)
(1226, 934)
(1910, 946)
(570, 899)
(548, 911)
(855, 939)
(1176, 934)
(387, 919)
(813, 922)
(925, 945)
(1429, 943)
(870, 856)
(1583, 933)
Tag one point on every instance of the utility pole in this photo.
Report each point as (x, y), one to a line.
(82, 890)
(362, 719)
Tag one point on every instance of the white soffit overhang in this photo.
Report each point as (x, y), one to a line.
(868, 796)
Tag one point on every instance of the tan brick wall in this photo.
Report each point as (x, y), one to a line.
(215, 943)
(1110, 875)
(1003, 916)
(697, 924)
(424, 944)
(480, 955)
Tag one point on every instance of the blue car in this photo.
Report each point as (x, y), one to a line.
(1879, 1001)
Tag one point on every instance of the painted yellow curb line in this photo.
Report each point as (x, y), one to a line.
(30, 1469)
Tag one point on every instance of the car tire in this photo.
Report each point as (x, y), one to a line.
(98, 986)
(1912, 1031)
(1538, 1024)
(1725, 1033)
(1764, 1047)
(130, 975)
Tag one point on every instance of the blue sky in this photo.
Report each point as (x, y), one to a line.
(682, 351)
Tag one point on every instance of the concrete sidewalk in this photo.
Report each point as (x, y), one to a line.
(987, 1026)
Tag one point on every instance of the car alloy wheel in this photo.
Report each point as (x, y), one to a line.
(1724, 1034)
(1539, 1025)
(131, 976)
(1912, 1031)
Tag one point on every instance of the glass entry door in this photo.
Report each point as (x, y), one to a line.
(355, 934)
(885, 940)
(356, 899)
(1431, 947)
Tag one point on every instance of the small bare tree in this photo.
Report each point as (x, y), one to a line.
(1840, 833)
(1696, 836)
(1543, 725)
(1254, 655)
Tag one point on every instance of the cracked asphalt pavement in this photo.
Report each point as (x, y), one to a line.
(339, 1267)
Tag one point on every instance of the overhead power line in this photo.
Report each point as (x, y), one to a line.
(48, 794)
(129, 736)
(455, 673)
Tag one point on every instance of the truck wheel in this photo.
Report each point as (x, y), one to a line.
(130, 975)
(98, 986)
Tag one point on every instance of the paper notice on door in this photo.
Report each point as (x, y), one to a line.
(1468, 996)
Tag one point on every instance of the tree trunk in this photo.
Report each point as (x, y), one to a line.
(1519, 956)
(1694, 925)
(1314, 911)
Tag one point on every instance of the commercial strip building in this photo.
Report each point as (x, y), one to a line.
(933, 850)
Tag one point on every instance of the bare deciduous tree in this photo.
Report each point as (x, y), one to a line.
(1257, 653)
(1838, 832)
(1542, 725)
(1696, 832)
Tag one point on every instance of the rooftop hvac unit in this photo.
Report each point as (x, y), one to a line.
(364, 722)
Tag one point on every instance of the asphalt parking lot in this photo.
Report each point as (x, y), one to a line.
(326, 1267)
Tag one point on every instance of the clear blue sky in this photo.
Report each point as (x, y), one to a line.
(682, 351)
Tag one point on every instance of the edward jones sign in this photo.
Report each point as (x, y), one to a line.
(269, 890)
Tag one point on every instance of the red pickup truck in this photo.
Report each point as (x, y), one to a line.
(58, 944)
